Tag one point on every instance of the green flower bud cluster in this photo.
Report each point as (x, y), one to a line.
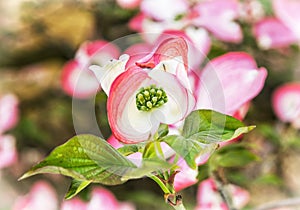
(150, 97)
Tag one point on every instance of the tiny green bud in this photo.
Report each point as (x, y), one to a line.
(150, 97)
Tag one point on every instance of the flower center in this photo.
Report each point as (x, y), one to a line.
(150, 97)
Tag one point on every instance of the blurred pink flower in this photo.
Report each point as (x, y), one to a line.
(8, 151)
(208, 197)
(272, 33)
(77, 80)
(128, 4)
(286, 103)
(102, 199)
(288, 12)
(41, 196)
(215, 16)
(218, 16)
(74, 204)
(9, 112)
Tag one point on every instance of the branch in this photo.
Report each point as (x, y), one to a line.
(277, 204)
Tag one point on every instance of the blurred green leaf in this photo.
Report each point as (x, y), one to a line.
(235, 158)
(269, 179)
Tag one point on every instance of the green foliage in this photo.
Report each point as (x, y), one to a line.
(86, 158)
(202, 130)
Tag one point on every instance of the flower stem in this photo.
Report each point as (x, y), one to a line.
(160, 183)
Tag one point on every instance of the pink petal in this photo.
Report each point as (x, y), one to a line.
(9, 112)
(41, 196)
(288, 12)
(164, 10)
(128, 4)
(74, 204)
(186, 176)
(197, 40)
(168, 49)
(122, 90)
(114, 142)
(137, 52)
(236, 79)
(242, 111)
(271, 33)
(8, 151)
(207, 193)
(286, 102)
(217, 16)
(78, 82)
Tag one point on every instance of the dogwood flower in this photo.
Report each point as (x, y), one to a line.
(286, 103)
(156, 90)
(76, 80)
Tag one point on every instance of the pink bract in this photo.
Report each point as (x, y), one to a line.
(41, 196)
(9, 112)
(235, 77)
(272, 33)
(286, 103)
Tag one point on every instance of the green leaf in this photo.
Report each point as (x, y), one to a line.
(188, 149)
(75, 187)
(86, 158)
(129, 149)
(208, 126)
